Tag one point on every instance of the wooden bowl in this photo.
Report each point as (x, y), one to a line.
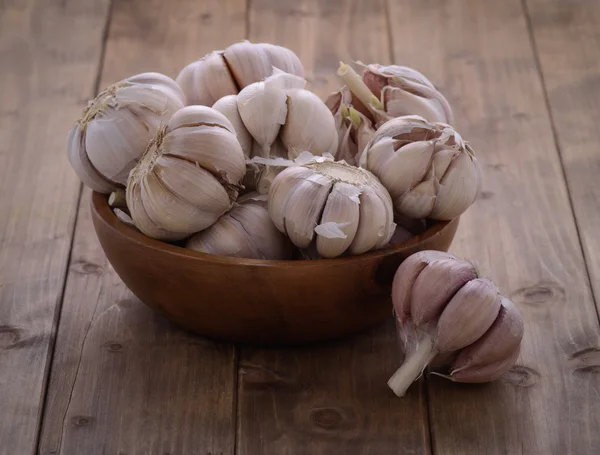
(258, 301)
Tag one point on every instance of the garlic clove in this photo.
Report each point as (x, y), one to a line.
(459, 187)
(141, 219)
(373, 226)
(207, 80)
(418, 202)
(339, 222)
(82, 166)
(114, 143)
(263, 110)
(406, 168)
(158, 81)
(252, 62)
(405, 277)
(215, 149)
(436, 285)
(303, 208)
(280, 191)
(486, 373)
(469, 314)
(309, 125)
(228, 107)
(182, 198)
(502, 338)
(444, 155)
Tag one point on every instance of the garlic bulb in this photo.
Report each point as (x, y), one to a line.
(345, 208)
(282, 120)
(223, 73)
(445, 311)
(116, 126)
(428, 169)
(188, 177)
(354, 128)
(245, 232)
(386, 92)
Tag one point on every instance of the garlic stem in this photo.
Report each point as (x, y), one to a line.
(358, 87)
(413, 365)
(117, 199)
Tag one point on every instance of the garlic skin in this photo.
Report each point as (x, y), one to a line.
(332, 205)
(428, 169)
(188, 177)
(245, 232)
(405, 91)
(281, 119)
(226, 72)
(354, 128)
(444, 310)
(115, 128)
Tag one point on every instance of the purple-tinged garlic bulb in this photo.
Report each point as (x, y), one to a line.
(444, 310)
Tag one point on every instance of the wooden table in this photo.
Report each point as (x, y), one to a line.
(86, 369)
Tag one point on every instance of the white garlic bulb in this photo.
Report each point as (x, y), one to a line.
(428, 169)
(188, 177)
(245, 232)
(116, 127)
(223, 73)
(345, 208)
(283, 120)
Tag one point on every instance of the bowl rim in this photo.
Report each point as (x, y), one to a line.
(104, 213)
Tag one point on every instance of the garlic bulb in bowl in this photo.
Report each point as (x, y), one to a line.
(340, 207)
(428, 169)
(117, 125)
(188, 177)
(283, 120)
(245, 232)
(223, 73)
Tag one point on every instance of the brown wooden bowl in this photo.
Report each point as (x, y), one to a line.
(258, 301)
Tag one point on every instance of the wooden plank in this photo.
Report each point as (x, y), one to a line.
(49, 57)
(521, 232)
(125, 381)
(567, 38)
(332, 398)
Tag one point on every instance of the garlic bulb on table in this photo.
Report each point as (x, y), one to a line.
(446, 313)
(278, 118)
(340, 207)
(188, 177)
(117, 125)
(428, 169)
(385, 92)
(245, 232)
(223, 73)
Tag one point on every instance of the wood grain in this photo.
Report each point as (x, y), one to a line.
(521, 232)
(332, 398)
(124, 381)
(49, 57)
(567, 38)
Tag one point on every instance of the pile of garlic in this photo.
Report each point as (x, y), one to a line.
(237, 157)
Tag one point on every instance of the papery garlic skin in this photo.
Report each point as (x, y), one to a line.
(189, 176)
(281, 119)
(245, 232)
(341, 208)
(428, 169)
(226, 72)
(354, 128)
(115, 128)
(444, 310)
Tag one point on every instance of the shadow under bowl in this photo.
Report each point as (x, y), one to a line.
(258, 301)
